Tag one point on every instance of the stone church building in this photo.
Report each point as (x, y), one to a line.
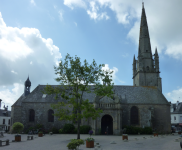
(141, 105)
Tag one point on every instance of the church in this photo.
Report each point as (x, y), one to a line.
(140, 105)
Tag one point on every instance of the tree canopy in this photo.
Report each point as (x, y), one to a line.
(76, 80)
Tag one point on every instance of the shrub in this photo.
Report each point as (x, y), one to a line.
(68, 128)
(136, 130)
(75, 143)
(74, 131)
(38, 126)
(60, 131)
(85, 129)
(147, 130)
(17, 127)
(54, 130)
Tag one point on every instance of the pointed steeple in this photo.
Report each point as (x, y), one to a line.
(156, 53)
(27, 87)
(144, 39)
(134, 59)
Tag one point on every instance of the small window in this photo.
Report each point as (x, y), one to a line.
(3, 121)
(44, 95)
(31, 115)
(9, 122)
(50, 115)
(174, 118)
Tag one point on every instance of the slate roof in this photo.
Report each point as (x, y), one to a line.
(177, 110)
(3, 113)
(126, 94)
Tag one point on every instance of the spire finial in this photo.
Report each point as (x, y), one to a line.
(142, 4)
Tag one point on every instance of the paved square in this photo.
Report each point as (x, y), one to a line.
(59, 142)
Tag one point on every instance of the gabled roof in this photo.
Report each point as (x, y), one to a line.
(178, 109)
(126, 94)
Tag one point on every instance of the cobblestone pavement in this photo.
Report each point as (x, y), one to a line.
(59, 142)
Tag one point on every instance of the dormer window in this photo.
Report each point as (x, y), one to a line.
(44, 95)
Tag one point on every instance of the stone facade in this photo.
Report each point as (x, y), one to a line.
(145, 97)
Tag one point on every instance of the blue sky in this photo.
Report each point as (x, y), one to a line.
(36, 34)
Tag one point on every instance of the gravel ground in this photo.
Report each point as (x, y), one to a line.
(60, 141)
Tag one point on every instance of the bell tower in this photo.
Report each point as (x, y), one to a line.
(146, 68)
(27, 87)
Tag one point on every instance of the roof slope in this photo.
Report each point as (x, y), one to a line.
(127, 94)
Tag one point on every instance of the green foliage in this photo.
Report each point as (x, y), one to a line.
(89, 139)
(68, 128)
(84, 129)
(61, 131)
(54, 130)
(74, 131)
(75, 143)
(17, 127)
(38, 126)
(40, 132)
(75, 80)
(147, 130)
(136, 130)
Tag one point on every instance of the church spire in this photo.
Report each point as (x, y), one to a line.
(144, 39)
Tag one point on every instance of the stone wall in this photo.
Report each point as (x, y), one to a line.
(158, 119)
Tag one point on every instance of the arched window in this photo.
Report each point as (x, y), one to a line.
(31, 115)
(50, 115)
(134, 120)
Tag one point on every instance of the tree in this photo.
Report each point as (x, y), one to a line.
(75, 81)
(17, 127)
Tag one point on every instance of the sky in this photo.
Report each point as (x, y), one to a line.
(36, 34)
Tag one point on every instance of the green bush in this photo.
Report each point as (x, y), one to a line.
(38, 126)
(74, 131)
(18, 127)
(85, 129)
(61, 131)
(147, 130)
(136, 130)
(54, 130)
(75, 143)
(68, 128)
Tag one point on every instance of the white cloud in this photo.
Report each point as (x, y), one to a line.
(14, 72)
(75, 24)
(174, 96)
(32, 2)
(75, 3)
(93, 13)
(114, 69)
(20, 48)
(10, 96)
(175, 50)
(60, 12)
(60, 15)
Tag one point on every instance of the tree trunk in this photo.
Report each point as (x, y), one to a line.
(78, 130)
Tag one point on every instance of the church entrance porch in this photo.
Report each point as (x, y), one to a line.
(107, 125)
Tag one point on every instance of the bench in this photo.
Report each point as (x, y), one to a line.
(30, 137)
(7, 142)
